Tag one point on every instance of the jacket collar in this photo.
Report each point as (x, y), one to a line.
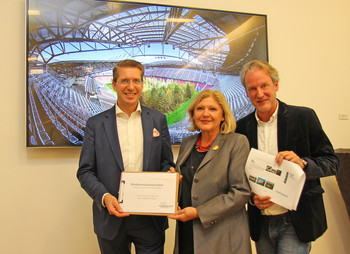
(110, 126)
(147, 126)
(212, 152)
(282, 126)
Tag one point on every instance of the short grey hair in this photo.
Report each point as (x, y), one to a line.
(256, 65)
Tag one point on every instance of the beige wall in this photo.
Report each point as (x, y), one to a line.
(43, 208)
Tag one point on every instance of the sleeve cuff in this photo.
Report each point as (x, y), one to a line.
(103, 198)
(251, 199)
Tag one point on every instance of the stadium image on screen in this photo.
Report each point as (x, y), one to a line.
(72, 47)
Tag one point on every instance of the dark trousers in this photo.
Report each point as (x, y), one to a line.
(138, 230)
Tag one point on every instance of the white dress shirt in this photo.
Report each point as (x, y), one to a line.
(268, 142)
(130, 134)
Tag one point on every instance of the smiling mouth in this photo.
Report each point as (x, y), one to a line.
(261, 101)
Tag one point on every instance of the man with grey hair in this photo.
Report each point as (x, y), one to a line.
(291, 133)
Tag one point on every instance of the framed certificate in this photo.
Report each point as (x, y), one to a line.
(148, 193)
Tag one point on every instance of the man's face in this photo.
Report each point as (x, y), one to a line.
(129, 87)
(262, 92)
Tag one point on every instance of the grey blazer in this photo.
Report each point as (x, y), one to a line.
(221, 192)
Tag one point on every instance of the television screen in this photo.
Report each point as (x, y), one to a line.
(72, 47)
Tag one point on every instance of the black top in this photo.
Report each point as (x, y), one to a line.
(188, 170)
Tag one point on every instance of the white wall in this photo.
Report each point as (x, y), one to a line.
(43, 208)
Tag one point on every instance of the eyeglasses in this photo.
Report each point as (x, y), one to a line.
(129, 81)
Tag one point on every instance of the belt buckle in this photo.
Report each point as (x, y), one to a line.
(277, 217)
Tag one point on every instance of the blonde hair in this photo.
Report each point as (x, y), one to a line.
(228, 125)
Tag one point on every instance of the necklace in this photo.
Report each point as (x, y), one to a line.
(200, 147)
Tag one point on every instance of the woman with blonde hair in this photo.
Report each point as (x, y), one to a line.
(211, 216)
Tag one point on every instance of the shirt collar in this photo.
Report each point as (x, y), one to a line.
(272, 118)
(119, 111)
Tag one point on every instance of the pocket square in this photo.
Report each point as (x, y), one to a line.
(155, 133)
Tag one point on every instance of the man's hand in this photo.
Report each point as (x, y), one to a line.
(186, 214)
(289, 156)
(262, 202)
(113, 206)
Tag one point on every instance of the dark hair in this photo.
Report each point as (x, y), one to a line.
(127, 63)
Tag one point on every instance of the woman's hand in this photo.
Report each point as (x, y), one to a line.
(186, 214)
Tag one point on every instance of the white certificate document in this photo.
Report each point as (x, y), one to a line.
(283, 184)
(148, 193)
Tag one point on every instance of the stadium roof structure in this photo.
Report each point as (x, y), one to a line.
(214, 41)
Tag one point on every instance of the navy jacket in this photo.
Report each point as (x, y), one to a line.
(101, 163)
(299, 130)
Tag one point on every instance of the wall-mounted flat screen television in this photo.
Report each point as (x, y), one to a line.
(73, 45)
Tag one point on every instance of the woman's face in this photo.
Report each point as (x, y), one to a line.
(208, 115)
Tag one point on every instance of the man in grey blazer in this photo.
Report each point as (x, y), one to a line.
(127, 137)
(294, 134)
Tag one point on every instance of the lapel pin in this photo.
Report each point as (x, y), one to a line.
(215, 148)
